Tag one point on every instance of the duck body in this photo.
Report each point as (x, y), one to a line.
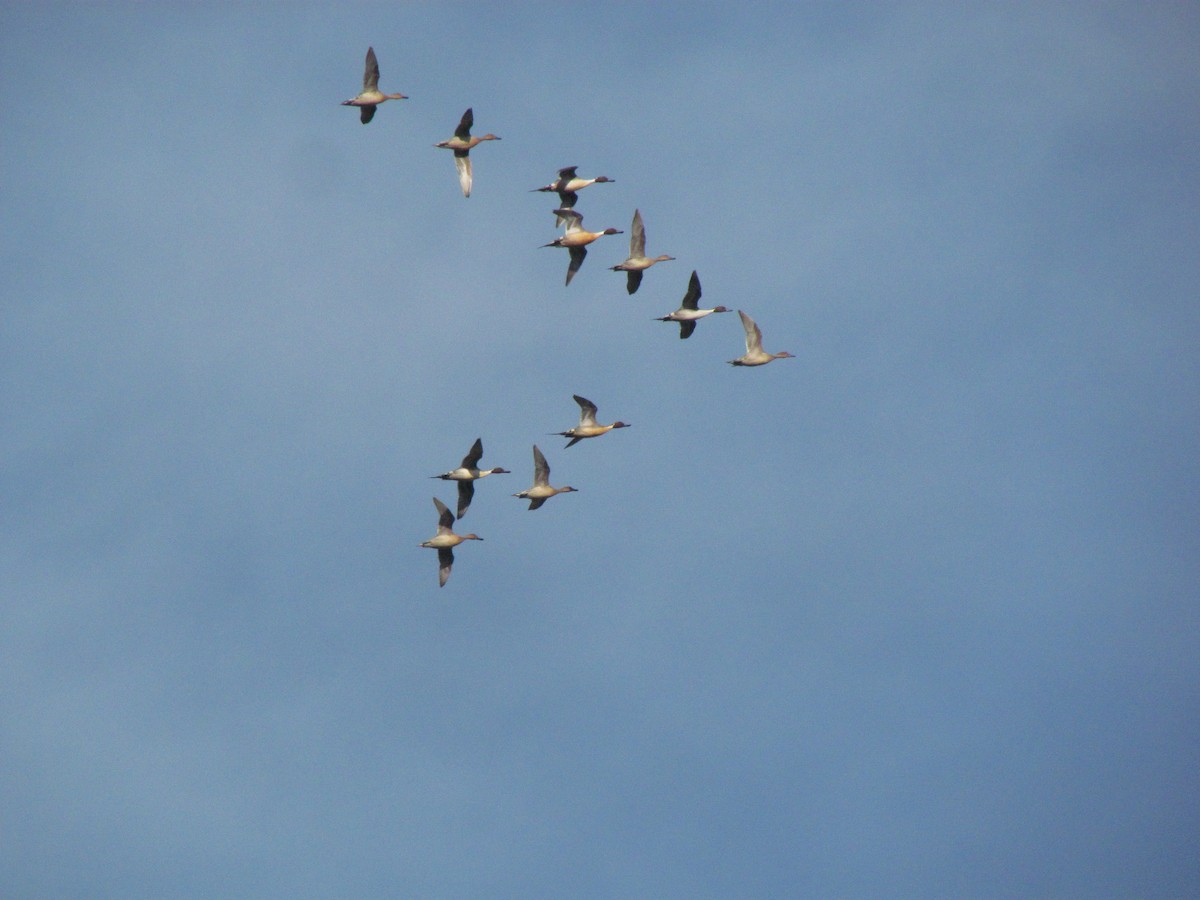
(370, 97)
(541, 491)
(689, 312)
(567, 186)
(755, 355)
(588, 427)
(467, 473)
(461, 144)
(445, 541)
(638, 261)
(576, 239)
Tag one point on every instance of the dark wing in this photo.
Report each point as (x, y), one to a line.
(471, 460)
(692, 297)
(464, 126)
(466, 491)
(366, 113)
(572, 442)
(541, 468)
(567, 173)
(685, 332)
(534, 504)
(633, 280)
(371, 72)
(445, 563)
(567, 199)
(445, 517)
(578, 254)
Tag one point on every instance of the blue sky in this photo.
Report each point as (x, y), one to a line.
(913, 614)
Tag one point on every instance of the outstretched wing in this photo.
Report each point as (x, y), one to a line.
(462, 162)
(566, 200)
(637, 236)
(445, 517)
(587, 410)
(692, 297)
(371, 72)
(578, 255)
(541, 469)
(466, 491)
(753, 333)
(463, 130)
(471, 460)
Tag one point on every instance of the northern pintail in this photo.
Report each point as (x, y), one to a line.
(755, 355)
(575, 239)
(467, 474)
(638, 262)
(371, 96)
(567, 187)
(445, 541)
(587, 427)
(541, 490)
(461, 144)
(688, 313)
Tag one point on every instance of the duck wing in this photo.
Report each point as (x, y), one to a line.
(466, 491)
(463, 131)
(637, 236)
(578, 255)
(371, 72)
(471, 460)
(445, 517)
(587, 410)
(462, 162)
(753, 333)
(692, 297)
(541, 469)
